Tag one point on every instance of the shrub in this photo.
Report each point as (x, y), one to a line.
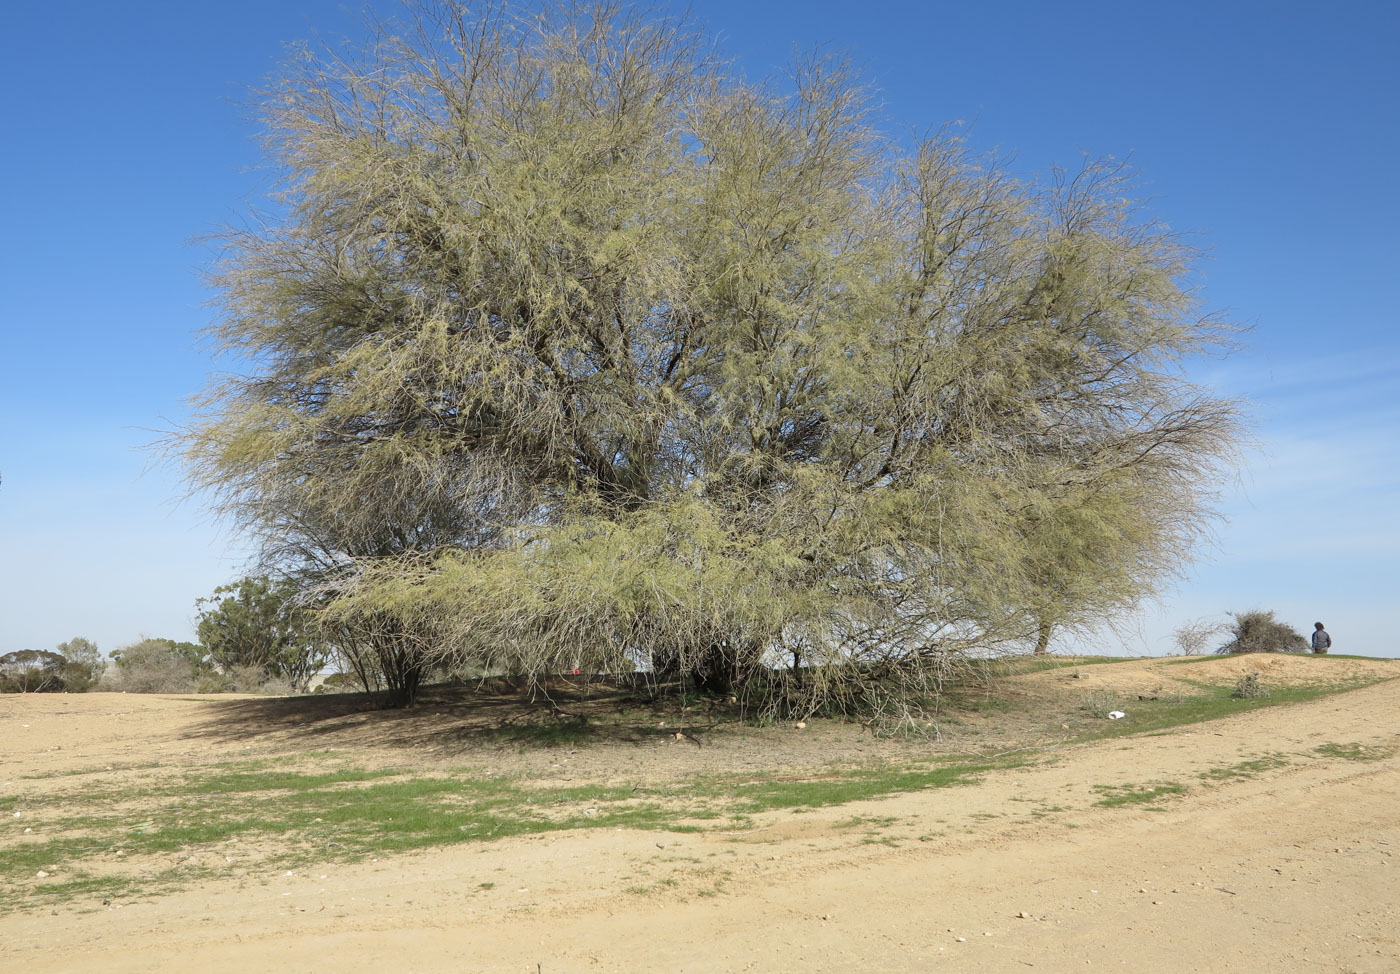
(1248, 687)
(1260, 632)
(250, 678)
(156, 666)
(1101, 703)
(82, 653)
(213, 682)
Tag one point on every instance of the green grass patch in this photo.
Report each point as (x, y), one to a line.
(281, 819)
(1354, 752)
(81, 772)
(1211, 702)
(1116, 796)
(92, 890)
(1037, 664)
(1245, 769)
(866, 821)
(763, 795)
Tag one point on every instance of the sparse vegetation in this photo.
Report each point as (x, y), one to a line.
(1245, 769)
(1195, 637)
(1211, 701)
(1354, 752)
(350, 813)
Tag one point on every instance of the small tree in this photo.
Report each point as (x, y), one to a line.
(1194, 637)
(85, 664)
(257, 623)
(1259, 632)
(80, 650)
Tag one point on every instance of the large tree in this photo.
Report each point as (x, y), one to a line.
(568, 344)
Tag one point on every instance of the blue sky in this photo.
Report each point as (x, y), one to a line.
(1267, 132)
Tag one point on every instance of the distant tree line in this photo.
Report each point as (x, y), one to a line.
(73, 666)
(252, 638)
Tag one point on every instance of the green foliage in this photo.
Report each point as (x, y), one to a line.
(85, 664)
(81, 651)
(258, 625)
(1260, 632)
(574, 349)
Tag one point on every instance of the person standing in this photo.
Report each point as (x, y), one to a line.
(1321, 642)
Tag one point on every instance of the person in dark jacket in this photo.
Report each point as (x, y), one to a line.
(1321, 642)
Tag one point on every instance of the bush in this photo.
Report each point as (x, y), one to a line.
(1248, 687)
(1101, 703)
(1260, 632)
(240, 679)
(250, 678)
(156, 666)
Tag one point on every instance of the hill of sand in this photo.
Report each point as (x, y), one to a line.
(1290, 867)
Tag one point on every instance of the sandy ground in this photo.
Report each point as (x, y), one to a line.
(1289, 869)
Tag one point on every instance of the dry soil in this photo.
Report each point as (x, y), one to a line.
(1289, 868)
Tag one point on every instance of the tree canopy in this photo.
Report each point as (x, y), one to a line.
(568, 344)
(257, 623)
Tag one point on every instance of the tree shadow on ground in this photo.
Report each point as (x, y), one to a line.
(463, 718)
